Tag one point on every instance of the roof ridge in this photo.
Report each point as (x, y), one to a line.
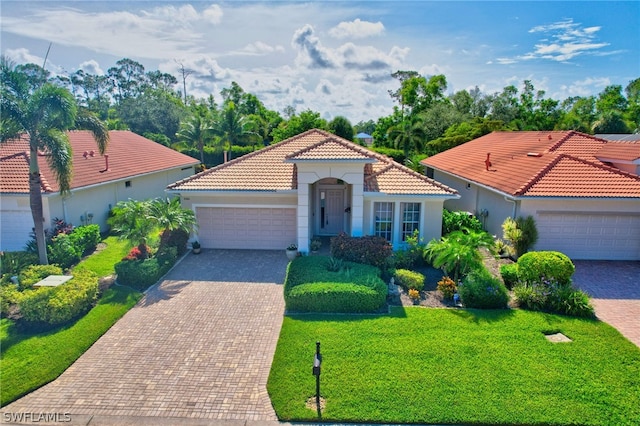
(15, 154)
(535, 178)
(340, 141)
(394, 164)
(605, 167)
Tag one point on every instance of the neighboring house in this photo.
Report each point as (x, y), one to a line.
(583, 191)
(313, 184)
(620, 137)
(364, 139)
(133, 167)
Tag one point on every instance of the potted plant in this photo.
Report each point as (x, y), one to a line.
(315, 245)
(195, 247)
(292, 251)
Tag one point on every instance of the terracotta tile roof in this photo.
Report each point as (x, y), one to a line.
(129, 155)
(619, 151)
(563, 164)
(273, 168)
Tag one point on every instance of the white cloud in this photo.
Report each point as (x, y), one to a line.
(356, 29)
(585, 87)
(259, 48)
(92, 67)
(568, 40)
(23, 56)
(213, 14)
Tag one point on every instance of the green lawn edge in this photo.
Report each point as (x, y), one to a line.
(31, 360)
(456, 366)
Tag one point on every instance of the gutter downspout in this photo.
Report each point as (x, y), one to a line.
(515, 204)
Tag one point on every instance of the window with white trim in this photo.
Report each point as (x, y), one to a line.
(384, 219)
(410, 219)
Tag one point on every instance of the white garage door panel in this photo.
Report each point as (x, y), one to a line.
(15, 227)
(246, 228)
(590, 236)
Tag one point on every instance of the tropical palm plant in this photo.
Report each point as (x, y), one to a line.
(408, 135)
(170, 216)
(234, 128)
(131, 221)
(42, 114)
(196, 132)
(458, 253)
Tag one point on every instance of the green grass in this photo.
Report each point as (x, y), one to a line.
(102, 262)
(445, 366)
(32, 359)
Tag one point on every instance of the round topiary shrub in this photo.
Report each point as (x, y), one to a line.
(409, 279)
(482, 290)
(539, 266)
(34, 273)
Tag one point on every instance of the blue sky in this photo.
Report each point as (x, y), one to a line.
(337, 57)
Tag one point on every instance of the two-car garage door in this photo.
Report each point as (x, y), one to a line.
(246, 228)
(603, 236)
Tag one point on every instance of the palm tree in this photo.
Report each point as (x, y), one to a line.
(132, 222)
(458, 252)
(408, 134)
(42, 115)
(234, 128)
(195, 132)
(170, 216)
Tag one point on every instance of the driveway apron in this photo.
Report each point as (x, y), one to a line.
(615, 291)
(198, 345)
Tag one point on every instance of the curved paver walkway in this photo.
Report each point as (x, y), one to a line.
(615, 289)
(199, 345)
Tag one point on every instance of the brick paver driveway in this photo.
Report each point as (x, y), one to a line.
(615, 288)
(200, 345)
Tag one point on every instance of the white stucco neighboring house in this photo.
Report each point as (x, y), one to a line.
(583, 191)
(313, 184)
(132, 167)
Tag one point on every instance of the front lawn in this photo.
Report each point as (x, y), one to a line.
(102, 262)
(32, 359)
(445, 366)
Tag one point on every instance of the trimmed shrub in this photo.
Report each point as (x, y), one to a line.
(176, 238)
(482, 290)
(447, 287)
(459, 221)
(310, 287)
(370, 250)
(167, 257)
(409, 279)
(539, 266)
(58, 305)
(139, 274)
(509, 274)
(85, 239)
(9, 296)
(62, 251)
(32, 274)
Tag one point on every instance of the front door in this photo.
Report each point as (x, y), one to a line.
(331, 211)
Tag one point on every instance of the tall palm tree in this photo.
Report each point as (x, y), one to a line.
(197, 132)
(408, 135)
(234, 128)
(42, 115)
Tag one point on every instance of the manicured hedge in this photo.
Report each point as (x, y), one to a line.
(311, 287)
(58, 305)
(34, 273)
(539, 266)
(140, 274)
(370, 250)
(509, 273)
(409, 279)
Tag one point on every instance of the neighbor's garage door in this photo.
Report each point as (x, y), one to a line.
(590, 235)
(15, 229)
(246, 228)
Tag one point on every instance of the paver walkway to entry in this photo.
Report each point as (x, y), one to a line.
(615, 288)
(199, 345)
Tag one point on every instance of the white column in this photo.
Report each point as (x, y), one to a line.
(303, 217)
(357, 209)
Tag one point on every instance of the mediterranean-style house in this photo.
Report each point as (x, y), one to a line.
(133, 167)
(313, 184)
(583, 191)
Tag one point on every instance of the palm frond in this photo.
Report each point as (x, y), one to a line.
(88, 121)
(59, 156)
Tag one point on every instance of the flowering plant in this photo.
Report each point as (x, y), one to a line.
(414, 294)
